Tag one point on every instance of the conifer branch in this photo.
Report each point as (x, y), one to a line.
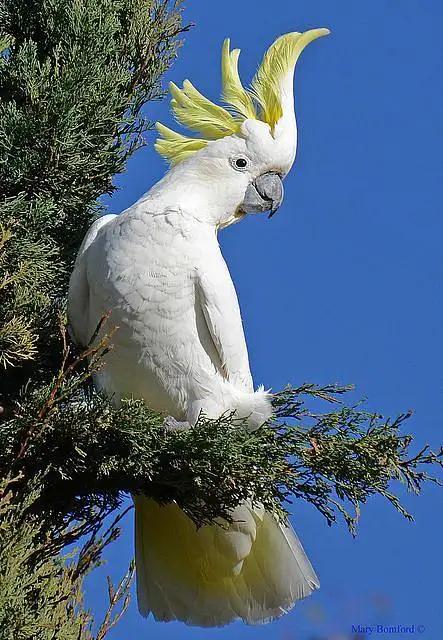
(74, 78)
(117, 596)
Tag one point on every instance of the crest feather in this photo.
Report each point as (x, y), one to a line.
(279, 60)
(194, 111)
(174, 146)
(197, 113)
(234, 93)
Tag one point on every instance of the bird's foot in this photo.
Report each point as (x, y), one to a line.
(172, 424)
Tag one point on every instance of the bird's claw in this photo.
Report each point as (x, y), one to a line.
(172, 424)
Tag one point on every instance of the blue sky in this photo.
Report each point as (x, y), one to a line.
(342, 285)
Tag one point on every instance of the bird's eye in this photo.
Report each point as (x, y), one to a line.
(240, 163)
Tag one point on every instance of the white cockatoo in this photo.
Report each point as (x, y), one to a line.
(180, 344)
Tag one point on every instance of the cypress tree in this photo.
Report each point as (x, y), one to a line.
(74, 77)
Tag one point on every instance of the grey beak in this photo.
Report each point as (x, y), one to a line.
(264, 194)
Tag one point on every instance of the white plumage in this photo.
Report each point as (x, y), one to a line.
(180, 347)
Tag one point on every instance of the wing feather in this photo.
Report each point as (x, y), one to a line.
(78, 298)
(218, 300)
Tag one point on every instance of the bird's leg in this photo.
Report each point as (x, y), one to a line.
(192, 414)
(172, 424)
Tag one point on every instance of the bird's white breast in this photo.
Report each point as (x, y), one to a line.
(142, 267)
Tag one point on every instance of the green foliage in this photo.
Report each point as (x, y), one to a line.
(74, 77)
(26, 609)
(41, 592)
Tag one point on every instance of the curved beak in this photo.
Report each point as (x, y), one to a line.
(264, 194)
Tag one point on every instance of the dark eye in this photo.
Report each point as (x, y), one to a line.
(239, 162)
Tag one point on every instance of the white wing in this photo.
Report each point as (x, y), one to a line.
(78, 299)
(218, 300)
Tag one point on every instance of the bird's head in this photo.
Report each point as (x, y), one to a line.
(245, 150)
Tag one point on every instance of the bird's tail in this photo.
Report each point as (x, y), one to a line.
(254, 569)
(255, 406)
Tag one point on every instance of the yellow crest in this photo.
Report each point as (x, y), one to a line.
(261, 102)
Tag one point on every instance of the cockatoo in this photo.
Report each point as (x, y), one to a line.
(180, 345)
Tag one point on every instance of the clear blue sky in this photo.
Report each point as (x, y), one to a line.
(344, 284)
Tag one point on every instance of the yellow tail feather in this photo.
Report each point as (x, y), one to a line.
(254, 570)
